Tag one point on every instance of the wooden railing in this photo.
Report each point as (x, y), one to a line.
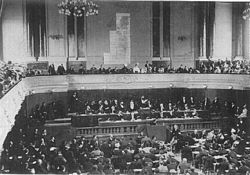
(185, 126)
(192, 124)
(115, 130)
(199, 126)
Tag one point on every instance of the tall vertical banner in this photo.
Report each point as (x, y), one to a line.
(120, 47)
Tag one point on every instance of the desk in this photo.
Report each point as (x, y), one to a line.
(126, 122)
(81, 120)
(86, 120)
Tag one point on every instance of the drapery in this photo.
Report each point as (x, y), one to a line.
(206, 11)
(36, 24)
(1, 7)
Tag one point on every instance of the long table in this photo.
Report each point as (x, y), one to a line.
(89, 120)
(126, 122)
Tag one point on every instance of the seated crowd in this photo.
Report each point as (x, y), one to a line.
(225, 67)
(10, 74)
(28, 150)
(40, 113)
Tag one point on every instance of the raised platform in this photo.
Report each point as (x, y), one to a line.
(82, 125)
(50, 88)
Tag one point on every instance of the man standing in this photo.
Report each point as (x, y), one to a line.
(60, 70)
(74, 102)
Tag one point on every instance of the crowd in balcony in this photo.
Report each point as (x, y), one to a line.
(209, 66)
(10, 74)
(32, 151)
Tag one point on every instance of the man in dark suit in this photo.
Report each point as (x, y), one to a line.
(206, 104)
(148, 66)
(184, 166)
(81, 70)
(195, 134)
(216, 105)
(182, 103)
(60, 69)
(124, 69)
(186, 152)
(74, 102)
(192, 103)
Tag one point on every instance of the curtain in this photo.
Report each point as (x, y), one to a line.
(206, 28)
(36, 23)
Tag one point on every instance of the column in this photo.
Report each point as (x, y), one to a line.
(237, 30)
(14, 38)
(223, 31)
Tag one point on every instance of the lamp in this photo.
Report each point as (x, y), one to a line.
(246, 12)
(205, 86)
(181, 38)
(77, 8)
(31, 92)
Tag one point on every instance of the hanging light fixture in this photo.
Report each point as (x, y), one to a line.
(246, 12)
(78, 8)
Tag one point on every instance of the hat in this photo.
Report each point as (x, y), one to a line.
(233, 130)
(172, 171)
(137, 156)
(52, 149)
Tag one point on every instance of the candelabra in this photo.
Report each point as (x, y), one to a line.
(78, 8)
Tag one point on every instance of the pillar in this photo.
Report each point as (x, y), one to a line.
(223, 31)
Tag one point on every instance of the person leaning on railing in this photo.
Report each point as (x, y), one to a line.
(1, 89)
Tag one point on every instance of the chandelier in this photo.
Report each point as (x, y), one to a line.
(246, 12)
(77, 8)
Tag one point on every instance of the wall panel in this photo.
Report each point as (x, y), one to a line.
(14, 30)
(182, 36)
(55, 26)
(223, 31)
(98, 28)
